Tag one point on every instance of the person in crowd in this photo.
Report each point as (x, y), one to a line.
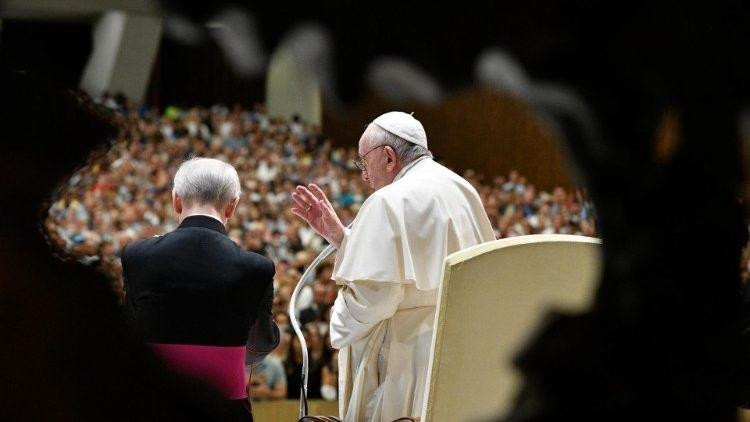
(267, 380)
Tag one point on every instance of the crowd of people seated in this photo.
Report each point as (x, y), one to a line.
(123, 193)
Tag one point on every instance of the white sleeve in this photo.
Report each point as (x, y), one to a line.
(359, 306)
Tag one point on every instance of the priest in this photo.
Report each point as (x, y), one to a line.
(389, 264)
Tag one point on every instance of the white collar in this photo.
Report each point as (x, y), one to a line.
(409, 167)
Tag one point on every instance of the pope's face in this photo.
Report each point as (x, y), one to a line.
(375, 160)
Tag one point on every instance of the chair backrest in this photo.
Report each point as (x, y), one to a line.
(492, 296)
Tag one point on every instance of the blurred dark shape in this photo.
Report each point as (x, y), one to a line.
(55, 49)
(68, 354)
(211, 52)
(555, 103)
(312, 47)
(499, 70)
(182, 29)
(663, 336)
(235, 31)
(400, 81)
(229, 23)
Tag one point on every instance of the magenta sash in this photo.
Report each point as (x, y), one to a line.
(222, 367)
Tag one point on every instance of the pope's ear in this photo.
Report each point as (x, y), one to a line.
(391, 158)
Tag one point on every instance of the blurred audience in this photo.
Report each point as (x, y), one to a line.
(268, 379)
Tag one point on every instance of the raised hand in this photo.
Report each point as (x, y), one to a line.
(313, 206)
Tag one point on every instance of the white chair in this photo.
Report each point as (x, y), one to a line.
(492, 297)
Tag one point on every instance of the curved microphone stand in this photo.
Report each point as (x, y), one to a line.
(303, 281)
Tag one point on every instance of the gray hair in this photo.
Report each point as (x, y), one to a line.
(207, 181)
(405, 151)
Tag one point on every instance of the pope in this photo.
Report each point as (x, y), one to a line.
(389, 264)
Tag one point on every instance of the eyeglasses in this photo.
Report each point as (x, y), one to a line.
(360, 162)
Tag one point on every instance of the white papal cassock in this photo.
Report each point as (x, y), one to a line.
(389, 265)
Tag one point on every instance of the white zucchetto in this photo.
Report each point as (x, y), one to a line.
(404, 126)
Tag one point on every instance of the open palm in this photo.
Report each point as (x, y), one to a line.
(313, 206)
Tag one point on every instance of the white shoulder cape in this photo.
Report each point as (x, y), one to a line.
(404, 231)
